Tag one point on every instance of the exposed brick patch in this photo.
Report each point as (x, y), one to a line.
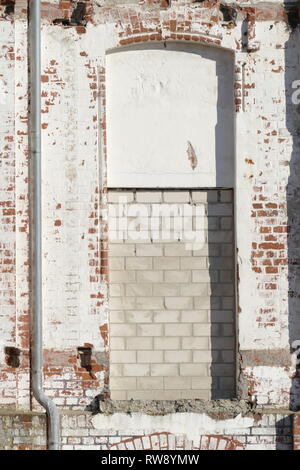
(22, 432)
(68, 382)
(167, 441)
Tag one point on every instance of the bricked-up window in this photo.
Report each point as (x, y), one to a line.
(171, 243)
(171, 294)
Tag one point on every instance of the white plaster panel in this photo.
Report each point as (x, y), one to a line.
(159, 100)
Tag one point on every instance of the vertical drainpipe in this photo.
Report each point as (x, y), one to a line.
(53, 424)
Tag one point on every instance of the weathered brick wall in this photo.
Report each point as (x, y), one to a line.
(172, 320)
(272, 431)
(82, 431)
(7, 204)
(75, 287)
(74, 182)
(22, 431)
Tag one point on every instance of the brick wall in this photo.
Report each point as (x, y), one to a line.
(74, 85)
(172, 319)
(22, 431)
(74, 79)
(82, 431)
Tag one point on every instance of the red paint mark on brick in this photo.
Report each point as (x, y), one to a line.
(165, 440)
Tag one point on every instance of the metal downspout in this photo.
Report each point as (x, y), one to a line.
(53, 427)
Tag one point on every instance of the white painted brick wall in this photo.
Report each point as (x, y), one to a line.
(264, 143)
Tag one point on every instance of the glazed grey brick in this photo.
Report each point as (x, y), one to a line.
(222, 316)
(224, 343)
(207, 276)
(199, 197)
(227, 330)
(138, 263)
(148, 196)
(167, 290)
(227, 383)
(204, 303)
(139, 316)
(212, 196)
(166, 316)
(181, 277)
(226, 196)
(224, 262)
(227, 303)
(227, 276)
(219, 209)
(149, 276)
(226, 223)
(153, 303)
(148, 249)
(176, 196)
(213, 223)
(227, 250)
(216, 329)
(166, 263)
(222, 289)
(138, 290)
(139, 343)
(114, 196)
(227, 356)
(220, 236)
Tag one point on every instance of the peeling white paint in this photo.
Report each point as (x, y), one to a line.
(192, 425)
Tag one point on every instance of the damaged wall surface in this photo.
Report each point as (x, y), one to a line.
(262, 167)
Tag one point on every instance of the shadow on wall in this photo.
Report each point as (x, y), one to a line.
(292, 73)
(221, 247)
(284, 433)
(222, 297)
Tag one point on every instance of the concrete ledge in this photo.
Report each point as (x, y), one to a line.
(218, 409)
